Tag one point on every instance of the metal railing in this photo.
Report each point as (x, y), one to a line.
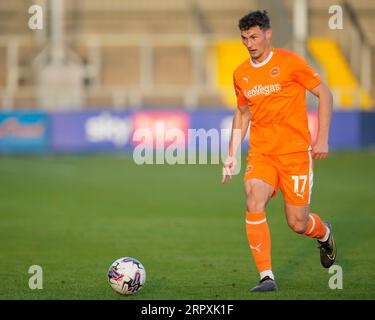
(118, 95)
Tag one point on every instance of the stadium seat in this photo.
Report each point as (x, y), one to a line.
(340, 77)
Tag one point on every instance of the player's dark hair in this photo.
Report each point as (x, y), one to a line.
(253, 19)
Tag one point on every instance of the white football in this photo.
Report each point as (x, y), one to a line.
(126, 275)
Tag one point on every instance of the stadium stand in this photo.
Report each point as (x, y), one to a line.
(347, 54)
(340, 77)
(142, 53)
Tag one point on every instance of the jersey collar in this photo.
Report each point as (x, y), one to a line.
(264, 62)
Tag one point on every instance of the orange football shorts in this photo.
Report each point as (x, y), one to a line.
(292, 172)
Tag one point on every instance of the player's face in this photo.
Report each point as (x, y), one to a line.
(257, 42)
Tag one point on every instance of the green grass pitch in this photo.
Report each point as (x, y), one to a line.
(74, 215)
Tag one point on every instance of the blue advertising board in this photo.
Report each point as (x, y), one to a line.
(345, 131)
(112, 131)
(90, 131)
(367, 123)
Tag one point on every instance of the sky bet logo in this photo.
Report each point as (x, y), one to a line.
(108, 128)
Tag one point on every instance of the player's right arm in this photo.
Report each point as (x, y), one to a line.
(240, 126)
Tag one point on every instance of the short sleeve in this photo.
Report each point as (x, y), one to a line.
(241, 99)
(302, 73)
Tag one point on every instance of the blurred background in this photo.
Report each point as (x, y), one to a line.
(131, 56)
(124, 54)
(61, 56)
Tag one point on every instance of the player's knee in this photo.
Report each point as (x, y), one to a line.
(298, 227)
(255, 205)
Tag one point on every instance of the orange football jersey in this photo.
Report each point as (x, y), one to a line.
(274, 90)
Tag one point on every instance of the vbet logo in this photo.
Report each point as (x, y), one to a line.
(23, 131)
(107, 127)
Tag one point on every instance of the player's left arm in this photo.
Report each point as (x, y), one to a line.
(320, 149)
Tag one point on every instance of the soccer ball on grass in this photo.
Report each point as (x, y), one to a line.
(126, 275)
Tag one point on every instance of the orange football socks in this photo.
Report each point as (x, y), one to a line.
(316, 228)
(259, 238)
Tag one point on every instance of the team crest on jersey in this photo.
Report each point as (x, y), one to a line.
(275, 71)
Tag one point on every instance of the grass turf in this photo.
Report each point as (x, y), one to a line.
(75, 215)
